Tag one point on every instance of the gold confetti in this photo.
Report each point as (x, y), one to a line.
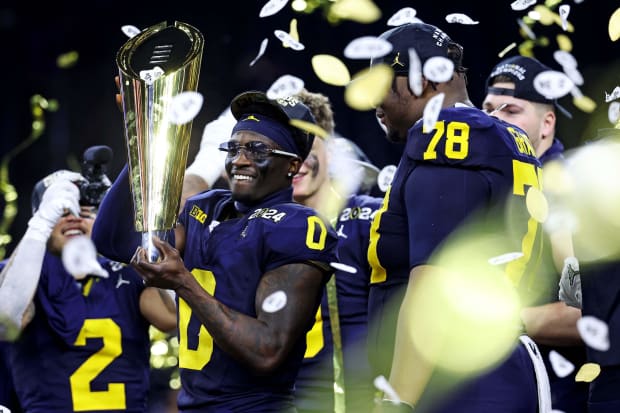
(361, 11)
(525, 48)
(614, 26)
(507, 49)
(310, 128)
(584, 103)
(331, 70)
(552, 3)
(293, 29)
(537, 205)
(545, 16)
(588, 372)
(67, 60)
(564, 42)
(369, 87)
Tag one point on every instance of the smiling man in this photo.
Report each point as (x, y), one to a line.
(248, 266)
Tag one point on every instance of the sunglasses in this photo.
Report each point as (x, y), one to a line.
(253, 150)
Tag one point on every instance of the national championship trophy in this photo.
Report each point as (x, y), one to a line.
(154, 66)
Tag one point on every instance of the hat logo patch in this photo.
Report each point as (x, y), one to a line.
(440, 37)
(252, 117)
(397, 61)
(515, 70)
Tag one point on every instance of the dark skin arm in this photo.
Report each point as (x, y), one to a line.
(261, 343)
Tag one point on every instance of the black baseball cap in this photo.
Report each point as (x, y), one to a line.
(427, 40)
(522, 71)
(282, 110)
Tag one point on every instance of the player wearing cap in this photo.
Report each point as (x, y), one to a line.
(512, 97)
(460, 167)
(344, 306)
(82, 341)
(248, 268)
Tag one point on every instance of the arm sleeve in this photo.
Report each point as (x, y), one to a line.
(113, 232)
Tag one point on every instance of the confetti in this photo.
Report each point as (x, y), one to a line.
(369, 87)
(460, 18)
(431, 112)
(150, 76)
(545, 16)
(561, 366)
(272, 7)
(367, 47)
(274, 302)
(537, 205)
(526, 29)
(613, 113)
(361, 11)
(184, 107)
(564, 12)
(584, 103)
(438, 69)
(310, 128)
(288, 41)
(614, 26)
(384, 179)
(79, 258)
(292, 30)
(564, 58)
(594, 332)
(552, 84)
(506, 49)
(588, 372)
(574, 74)
(505, 258)
(285, 86)
(564, 42)
(403, 16)
(330, 70)
(67, 60)
(415, 72)
(130, 31)
(615, 94)
(520, 5)
(343, 267)
(261, 51)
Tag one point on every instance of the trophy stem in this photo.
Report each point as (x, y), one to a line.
(152, 252)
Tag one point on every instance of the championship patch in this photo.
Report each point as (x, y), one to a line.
(268, 213)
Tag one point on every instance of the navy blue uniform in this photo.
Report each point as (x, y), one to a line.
(467, 164)
(315, 382)
(87, 347)
(8, 398)
(229, 257)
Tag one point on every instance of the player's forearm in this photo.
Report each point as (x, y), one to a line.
(552, 324)
(18, 283)
(247, 339)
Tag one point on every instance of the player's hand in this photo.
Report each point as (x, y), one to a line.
(570, 283)
(209, 161)
(61, 197)
(169, 273)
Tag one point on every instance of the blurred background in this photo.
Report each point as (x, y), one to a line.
(87, 35)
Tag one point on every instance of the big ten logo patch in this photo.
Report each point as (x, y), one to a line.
(198, 214)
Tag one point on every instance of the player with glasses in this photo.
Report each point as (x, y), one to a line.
(253, 150)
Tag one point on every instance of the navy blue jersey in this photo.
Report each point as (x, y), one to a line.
(87, 347)
(466, 165)
(228, 257)
(315, 381)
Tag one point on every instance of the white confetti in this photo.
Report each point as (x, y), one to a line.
(383, 385)
(367, 47)
(285, 86)
(130, 31)
(564, 11)
(274, 302)
(79, 258)
(438, 69)
(613, 113)
(528, 31)
(615, 94)
(561, 366)
(553, 84)
(343, 267)
(574, 74)
(519, 5)
(565, 59)
(272, 7)
(576, 92)
(385, 177)
(415, 72)
(287, 40)
(261, 51)
(431, 112)
(403, 16)
(594, 332)
(150, 76)
(184, 107)
(505, 258)
(460, 18)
